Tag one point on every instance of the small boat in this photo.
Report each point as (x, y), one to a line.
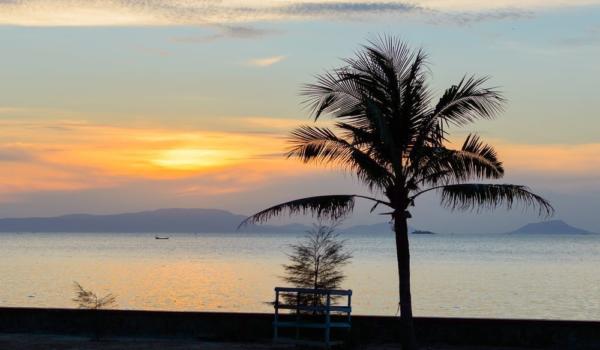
(159, 237)
(420, 232)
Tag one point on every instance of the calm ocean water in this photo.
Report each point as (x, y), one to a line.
(470, 275)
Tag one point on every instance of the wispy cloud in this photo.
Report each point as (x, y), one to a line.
(230, 13)
(14, 154)
(471, 17)
(178, 12)
(335, 8)
(226, 32)
(265, 61)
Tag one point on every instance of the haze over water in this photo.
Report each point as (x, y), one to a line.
(465, 275)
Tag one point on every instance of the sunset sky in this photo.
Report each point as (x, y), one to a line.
(121, 105)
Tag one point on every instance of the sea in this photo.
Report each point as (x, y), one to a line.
(453, 275)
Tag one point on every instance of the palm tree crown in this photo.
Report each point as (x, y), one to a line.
(390, 135)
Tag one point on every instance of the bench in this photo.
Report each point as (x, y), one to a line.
(320, 315)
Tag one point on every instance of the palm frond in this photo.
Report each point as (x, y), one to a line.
(475, 160)
(490, 196)
(331, 207)
(322, 145)
(333, 92)
(314, 143)
(397, 50)
(480, 158)
(468, 101)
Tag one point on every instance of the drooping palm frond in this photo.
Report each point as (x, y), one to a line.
(479, 159)
(331, 207)
(468, 101)
(318, 144)
(474, 146)
(490, 196)
(322, 145)
(475, 160)
(333, 92)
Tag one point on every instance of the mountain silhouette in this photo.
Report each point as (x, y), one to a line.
(549, 227)
(176, 220)
(171, 220)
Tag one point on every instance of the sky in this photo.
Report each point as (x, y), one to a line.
(119, 105)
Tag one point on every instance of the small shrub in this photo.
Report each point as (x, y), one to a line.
(316, 263)
(86, 299)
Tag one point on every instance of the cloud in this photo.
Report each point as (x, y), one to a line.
(265, 61)
(230, 13)
(180, 12)
(478, 5)
(330, 8)
(226, 32)
(466, 18)
(13, 154)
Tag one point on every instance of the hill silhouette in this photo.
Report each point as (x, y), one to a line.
(171, 220)
(550, 227)
(176, 220)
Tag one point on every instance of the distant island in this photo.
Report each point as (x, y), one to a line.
(550, 227)
(173, 220)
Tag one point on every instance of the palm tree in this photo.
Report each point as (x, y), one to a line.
(388, 133)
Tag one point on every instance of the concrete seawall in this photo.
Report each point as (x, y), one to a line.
(257, 327)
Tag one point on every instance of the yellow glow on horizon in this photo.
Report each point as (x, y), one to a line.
(192, 158)
(69, 155)
(73, 155)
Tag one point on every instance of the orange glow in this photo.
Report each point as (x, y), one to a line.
(72, 155)
(191, 158)
(544, 159)
(556, 159)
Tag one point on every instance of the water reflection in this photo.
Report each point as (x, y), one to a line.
(461, 275)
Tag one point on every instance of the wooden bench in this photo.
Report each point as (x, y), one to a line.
(314, 312)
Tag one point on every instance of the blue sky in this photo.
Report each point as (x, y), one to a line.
(95, 96)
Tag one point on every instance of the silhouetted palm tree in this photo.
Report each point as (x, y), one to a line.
(389, 134)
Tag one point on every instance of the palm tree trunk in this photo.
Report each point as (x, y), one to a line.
(409, 341)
